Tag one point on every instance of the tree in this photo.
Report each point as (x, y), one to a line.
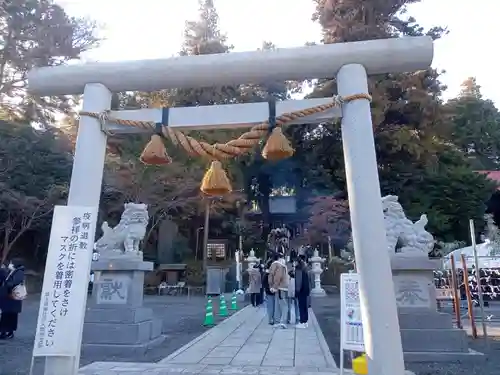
(34, 174)
(475, 126)
(412, 130)
(203, 36)
(20, 213)
(36, 33)
(170, 193)
(450, 196)
(32, 161)
(407, 109)
(328, 220)
(173, 191)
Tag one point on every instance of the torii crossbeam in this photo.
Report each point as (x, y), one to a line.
(349, 62)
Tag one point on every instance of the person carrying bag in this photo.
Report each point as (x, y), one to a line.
(12, 293)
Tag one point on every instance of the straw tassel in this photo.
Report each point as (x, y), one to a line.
(215, 182)
(277, 146)
(155, 153)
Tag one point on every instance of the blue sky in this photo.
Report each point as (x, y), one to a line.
(153, 29)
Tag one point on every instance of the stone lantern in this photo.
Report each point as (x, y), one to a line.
(252, 260)
(316, 262)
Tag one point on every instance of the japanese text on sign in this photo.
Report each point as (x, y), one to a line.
(351, 326)
(65, 281)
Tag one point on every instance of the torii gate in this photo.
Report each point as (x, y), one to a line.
(350, 62)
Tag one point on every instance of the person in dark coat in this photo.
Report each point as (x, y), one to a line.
(10, 307)
(302, 291)
(260, 299)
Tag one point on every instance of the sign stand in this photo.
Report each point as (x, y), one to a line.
(65, 282)
(351, 326)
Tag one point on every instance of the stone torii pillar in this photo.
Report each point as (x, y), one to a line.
(351, 62)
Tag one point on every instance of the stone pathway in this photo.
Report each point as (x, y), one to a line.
(243, 344)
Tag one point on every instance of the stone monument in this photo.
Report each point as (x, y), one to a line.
(116, 320)
(426, 334)
(316, 270)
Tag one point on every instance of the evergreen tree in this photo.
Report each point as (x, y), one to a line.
(475, 126)
(35, 167)
(36, 33)
(411, 126)
(201, 36)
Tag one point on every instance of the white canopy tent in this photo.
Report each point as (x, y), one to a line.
(485, 260)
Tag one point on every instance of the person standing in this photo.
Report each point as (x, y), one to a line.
(278, 283)
(302, 291)
(255, 284)
(293, 309)
(270, 296)
(12, 294)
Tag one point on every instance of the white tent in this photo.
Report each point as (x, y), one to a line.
(483, 252)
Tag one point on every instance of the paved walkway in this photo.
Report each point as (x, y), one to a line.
(243, 344)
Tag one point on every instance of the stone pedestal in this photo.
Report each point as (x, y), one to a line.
(116, 320)
(426, 334)
(317, 261)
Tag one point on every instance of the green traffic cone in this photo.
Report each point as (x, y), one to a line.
(234, 306)
(222, 306)
(209, 315)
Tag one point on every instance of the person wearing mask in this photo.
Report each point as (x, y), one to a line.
(302, 290)
(255, 283)
(12, 294)
(278, 283)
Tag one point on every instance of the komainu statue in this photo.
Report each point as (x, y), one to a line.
(403, 236)
(124, 239)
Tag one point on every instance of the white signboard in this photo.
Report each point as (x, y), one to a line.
(65, 282)
(351, 327)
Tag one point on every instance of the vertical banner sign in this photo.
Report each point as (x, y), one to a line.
(65, 281)
(351, 327)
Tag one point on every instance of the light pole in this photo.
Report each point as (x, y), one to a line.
(205, 234)
(239, 252)
(197, 242)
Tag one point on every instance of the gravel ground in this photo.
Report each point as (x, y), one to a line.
(182, 322)
(327, 311)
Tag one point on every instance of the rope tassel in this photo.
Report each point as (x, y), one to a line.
(215, 182)
(155, 152)
(277, 146)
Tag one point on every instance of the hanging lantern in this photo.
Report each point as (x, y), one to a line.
(215, 182)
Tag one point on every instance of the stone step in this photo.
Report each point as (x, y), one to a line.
(429, 320)
(120, 334)
(111, 350)
(434, 340)
(463, 357)
(122, 314)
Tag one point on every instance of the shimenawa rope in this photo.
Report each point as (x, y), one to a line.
(233, 148)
